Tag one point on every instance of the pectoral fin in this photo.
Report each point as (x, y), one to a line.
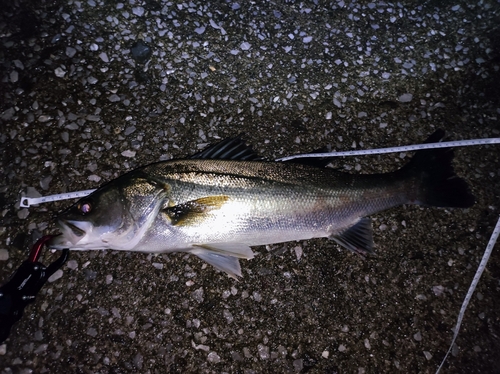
(224, 256)
(357, 238)
(194, 210)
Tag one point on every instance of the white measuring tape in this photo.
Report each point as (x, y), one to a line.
(26, 202)
(475, 281)
(403, 148)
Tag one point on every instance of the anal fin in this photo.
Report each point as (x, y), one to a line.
(357, 238)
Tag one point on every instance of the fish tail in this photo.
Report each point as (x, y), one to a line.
(436, 181)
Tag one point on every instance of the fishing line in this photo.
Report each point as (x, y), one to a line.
(26, 202)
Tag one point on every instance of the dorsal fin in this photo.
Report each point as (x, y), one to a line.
(228, 149)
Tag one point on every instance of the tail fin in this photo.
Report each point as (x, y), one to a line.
(438, 185)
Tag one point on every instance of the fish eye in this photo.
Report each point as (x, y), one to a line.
(85, 207)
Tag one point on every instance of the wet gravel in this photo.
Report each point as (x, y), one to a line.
(92, 89)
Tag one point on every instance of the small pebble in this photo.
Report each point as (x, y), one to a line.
(104, 57)
(128, 153)
(138, 11)
(141, 52)
(70, 51)
(406, 98)
(245, 46)
(213, 358)
(4, 254)
(59, 72)
(94, 178)
(58, 274)
(14, 76)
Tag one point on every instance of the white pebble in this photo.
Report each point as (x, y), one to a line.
(198, 295)
(19, 64)
(58, 274)
(203, 347)
(14, 76)
(70, 52)
(298, 252)
(94, 178)
(438, 290)
(405, 98)
(200, 30)
(245, 46)
(367, 344)
(128, 153)
(256, 296)
(227, 314)
(4, 254)
(104, 57)
(72, 264)
(213, 358)
(157, 265)
(59, 72)
(307, 39)
(138, 11)
(263, 351)
(23, 213)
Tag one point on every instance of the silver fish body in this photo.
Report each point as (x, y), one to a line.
(218, 208)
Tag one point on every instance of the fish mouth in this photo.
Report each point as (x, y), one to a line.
(73, 226)
(71, 233)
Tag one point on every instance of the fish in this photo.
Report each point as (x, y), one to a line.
(222, 201)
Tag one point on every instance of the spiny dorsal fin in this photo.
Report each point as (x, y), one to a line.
(228, 149)
(357, 238)
(194, 210)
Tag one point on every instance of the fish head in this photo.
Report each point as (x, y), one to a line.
(115, 216)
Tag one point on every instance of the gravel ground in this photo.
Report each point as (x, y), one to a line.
(92, 89)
